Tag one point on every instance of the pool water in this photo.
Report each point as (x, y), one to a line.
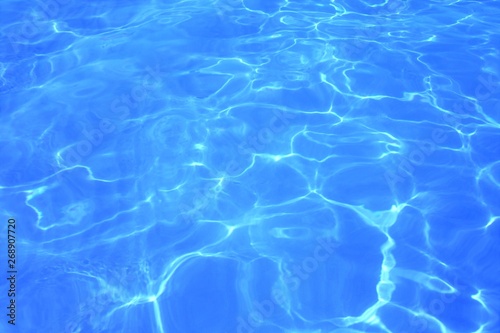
(250, 166)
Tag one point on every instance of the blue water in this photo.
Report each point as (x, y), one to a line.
(251, 166)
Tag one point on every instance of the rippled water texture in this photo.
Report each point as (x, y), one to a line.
(241, 166)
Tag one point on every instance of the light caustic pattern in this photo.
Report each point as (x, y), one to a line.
(249, 166)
